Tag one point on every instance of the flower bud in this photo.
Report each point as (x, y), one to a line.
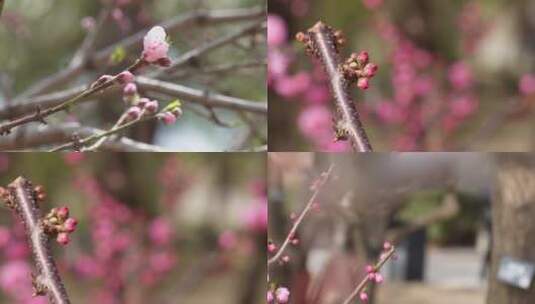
(62, 213)
(363, 57)
(363, 83)
(152, 106)
(63, 238)
(125, 77)
(133, 113)
(70, 224)
(130, 89)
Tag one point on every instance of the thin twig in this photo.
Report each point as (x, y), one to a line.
(360, 287)
(47, 280)
(297, 222)
(323, 43)
(40, 114)
(84, 141)
(61, 133)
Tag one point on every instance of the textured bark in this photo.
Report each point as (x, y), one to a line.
(513, 224)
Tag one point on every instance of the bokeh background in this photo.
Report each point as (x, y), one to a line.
(153, 228)
(40, 39)
(453, 75)
(452, 216)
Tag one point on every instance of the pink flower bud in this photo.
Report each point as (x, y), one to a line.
(270, 296)
(370, 70)
(63, 212)
(285, 259)
(295, 241)
(167, 118)
(152, 106)
(370, 269)
(70, 224)
(379, 278)
(271, 247)
(125, 77)
(363, 297)
(282, 294)
(387, 245)
(133, 113)
(130, 89)
(63, 238)
(142, 102)
(363, 57)
(363, 83)
(155, 46)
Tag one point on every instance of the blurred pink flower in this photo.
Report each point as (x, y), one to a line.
(227, 240)
(317, 94)
(277, 32)
(255, 217)
(527, 84)
(161, 231)
(291, 86)
(155, 46)
(162, 261)
(460, 76)
(315, 120)
(390, 112)
(463, 106)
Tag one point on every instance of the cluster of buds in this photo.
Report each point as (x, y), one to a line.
(281, 295)
(171, 112)
(358, 69)
(372, 271)
(334, 39)
(58, 224)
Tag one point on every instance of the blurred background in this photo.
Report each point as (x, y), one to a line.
(454, 217)
(453, 75)
(153, 228)
(41, 41)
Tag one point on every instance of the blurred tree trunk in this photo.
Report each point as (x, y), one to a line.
(513, 225)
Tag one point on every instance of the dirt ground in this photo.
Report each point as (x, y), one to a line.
(417, 293)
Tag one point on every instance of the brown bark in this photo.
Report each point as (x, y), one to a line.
(513, 225)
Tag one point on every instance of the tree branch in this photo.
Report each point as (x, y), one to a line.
(203, 97)
(21, 197)
(196, 18)
(323, 43)
(62, 133)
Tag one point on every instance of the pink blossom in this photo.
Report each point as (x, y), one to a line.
(363, 83)
(155, 46)
(290, 86)
(270, 296)
(315, 121)
(282, 295)
(15, 277)
(152, 106)
(387, 245)
(227, 240)
(162, 261)
(271, 247)
(255, 217)
(379, 278)
(161, 231)
(363, 297)
(527, 84)
(88, 23)
(277, 32)
(317, 94)
(460, 76)
(278, 62)
(463, 106)
(390, 112)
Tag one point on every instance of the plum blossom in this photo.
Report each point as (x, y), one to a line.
(155, 46)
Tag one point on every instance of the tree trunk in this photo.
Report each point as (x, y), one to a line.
(513, 223)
